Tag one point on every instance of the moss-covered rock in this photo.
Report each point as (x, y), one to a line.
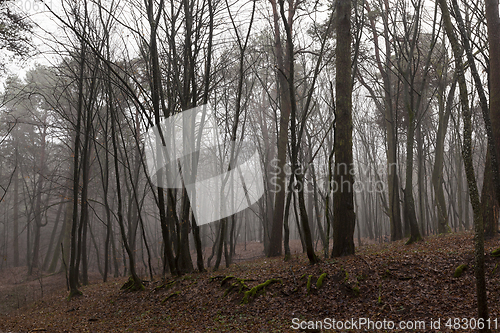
(319, 283)
(309, 283)
(459, 270)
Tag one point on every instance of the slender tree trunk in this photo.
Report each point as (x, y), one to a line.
(53, 236)
(297, 171)
(467, 157)
(409, 201)
(156, 90)
(16, 208)
(285, 108)
(109, 226)
(437, 172)
(394, 208)
(489, 204)
(73, 267)
(62, 243)
(134, 282)
(220, 244)
(286, 240)
(184, 262)
(84, 213)
(38, 204)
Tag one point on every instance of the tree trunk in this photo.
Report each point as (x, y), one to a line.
(489, 204)
(437, 172)
(283, 66)
(409, 201)
(134, 282)
(53, 236)
(73, 267)
(156, 95)
(493, 23)
(482, 303)
(16, 208)
(394, 210)
(38, 203)
(344, 216)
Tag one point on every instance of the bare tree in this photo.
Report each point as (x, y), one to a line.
(344, 215)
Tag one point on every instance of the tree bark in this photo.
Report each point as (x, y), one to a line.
(482, 303)
(283, 66)
(391, 129)
(493, 23)
(344, 216)
(16, 208)
(437, 172)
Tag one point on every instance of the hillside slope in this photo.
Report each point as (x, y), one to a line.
(390, 282)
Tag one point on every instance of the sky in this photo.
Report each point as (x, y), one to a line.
(44, 26)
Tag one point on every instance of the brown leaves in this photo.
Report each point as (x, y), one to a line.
(389, 281)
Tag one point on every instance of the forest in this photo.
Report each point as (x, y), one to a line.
(178, 148)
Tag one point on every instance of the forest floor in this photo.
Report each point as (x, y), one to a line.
(383, 282)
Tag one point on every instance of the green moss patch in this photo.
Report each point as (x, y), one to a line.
(175, 293)
(258, 289)
(319, 283)
(459, 270)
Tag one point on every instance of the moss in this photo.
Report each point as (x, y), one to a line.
(133, 284)
(355, 289)
(379, 300)
(258, 288)
(412, 239)
(73, 293)
(309, 282)
(319, 283)
(228, 290)
(217, 277)
(302, 276)
(240, 284)
(166, 285)
(459, 270)
(494, 269)
(175, 293)
(226, 279)
(496, 253)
